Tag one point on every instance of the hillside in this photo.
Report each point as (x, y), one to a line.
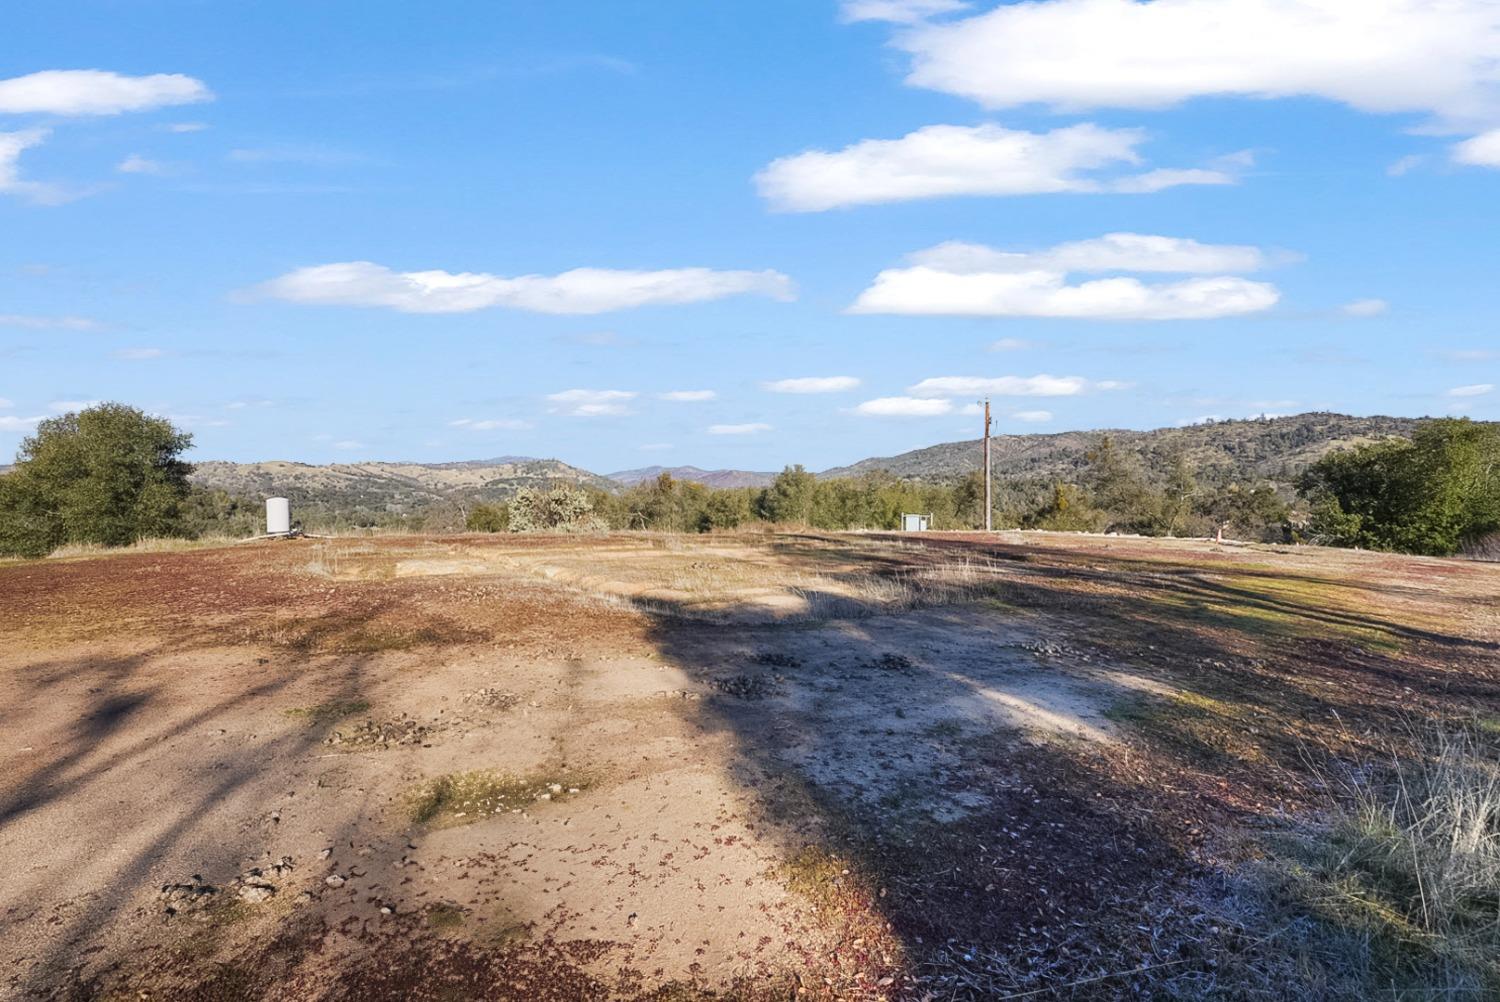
(392, 488)
(1275, 448)
(709, 478)
(1272, 448)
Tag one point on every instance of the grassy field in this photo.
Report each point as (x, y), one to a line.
(749, 766)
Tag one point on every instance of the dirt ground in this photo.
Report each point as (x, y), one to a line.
(637, 766)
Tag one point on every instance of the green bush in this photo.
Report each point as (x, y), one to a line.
(107, 475)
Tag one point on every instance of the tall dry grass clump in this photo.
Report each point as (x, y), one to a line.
(1397, 895)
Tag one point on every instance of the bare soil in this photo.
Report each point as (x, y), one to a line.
(636, 766)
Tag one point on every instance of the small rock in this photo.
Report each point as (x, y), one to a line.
(334, 880)
(256, 893)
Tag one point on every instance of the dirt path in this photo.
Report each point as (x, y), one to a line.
(465, 769)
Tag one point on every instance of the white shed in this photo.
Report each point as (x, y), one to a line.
(915, 523)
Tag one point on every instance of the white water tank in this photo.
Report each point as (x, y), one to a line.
(278, 517)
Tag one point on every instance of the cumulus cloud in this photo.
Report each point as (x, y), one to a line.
(1475, 390)
(1000, 386)
(959, 279)
(12, 145)
(898, 11)
(96, 92)
(904, 407)
(1033, 417)
(812, 384)
(1481, 151)
(580, 291)
(1384, 56)
(591, 403)
(490, 424)
(687, 396)
(942, 160)
(738, 429)
(1111, 252)
(1365, 308)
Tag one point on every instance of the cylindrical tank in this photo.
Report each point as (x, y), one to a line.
(278, 517)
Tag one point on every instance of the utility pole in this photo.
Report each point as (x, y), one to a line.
(988, 507)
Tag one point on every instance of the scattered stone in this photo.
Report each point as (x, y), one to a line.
(306, 898)
(749, 687)
(256, 893)
(403, 730)
(334, 880)
(893, 662)
(189, 897)
(491, 698)
(776, 659)
(386, 910)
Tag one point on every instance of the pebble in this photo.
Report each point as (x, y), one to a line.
(334, 880)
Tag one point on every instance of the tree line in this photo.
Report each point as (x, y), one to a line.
(112, 475)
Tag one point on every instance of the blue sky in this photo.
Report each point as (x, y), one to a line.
(611, 232)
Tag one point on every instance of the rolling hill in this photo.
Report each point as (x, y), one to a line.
(1275, 449)
(709, 478)
(390, 488)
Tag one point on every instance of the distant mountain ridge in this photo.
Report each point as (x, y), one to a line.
(393, 488)
(1274, 449)
(709, 478)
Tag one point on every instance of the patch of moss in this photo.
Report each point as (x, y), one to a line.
(461, 798)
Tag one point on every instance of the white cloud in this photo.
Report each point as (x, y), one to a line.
(1481, 151)
(1365, 308)
(348, 444)
(687, 396)
(1383, 56)
(925, 291)
(5, 403)
(1476, 390)
(72, 406)
(1405, 165)
(898, 11)
(1010, 344)
(1112, 384)
(12, 145)
(580, 291)
(182, 127)
(942, 160)
(961, 279)
(591, 403)
(738, 429)
(1111, 252)
(1000, 386)
(139, 354)
(48, 323)
(812, 384)
(9, 422)
(1033, 417)
(137, 164)
(96, 92)
(490, 424)
(905, 407)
